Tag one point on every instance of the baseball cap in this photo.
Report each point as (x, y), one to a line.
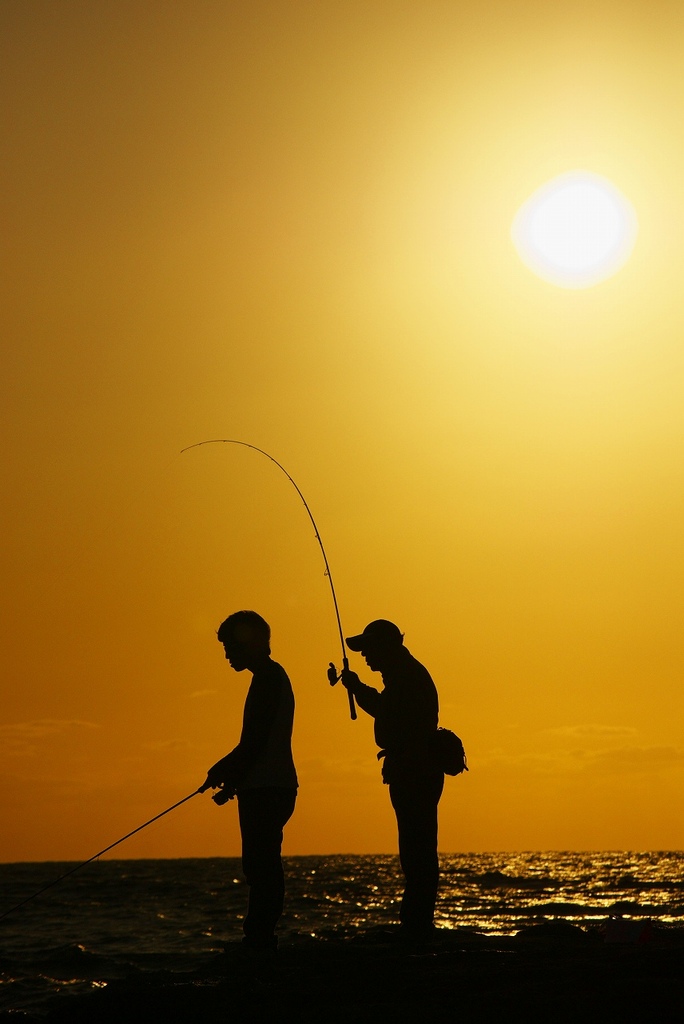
(380, 631)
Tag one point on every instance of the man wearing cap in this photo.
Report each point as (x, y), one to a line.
(406, 715)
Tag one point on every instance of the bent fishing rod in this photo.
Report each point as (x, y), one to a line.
(96, 855)
(332, 671)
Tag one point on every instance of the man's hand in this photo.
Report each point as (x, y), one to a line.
(349, 678)
(220, 774)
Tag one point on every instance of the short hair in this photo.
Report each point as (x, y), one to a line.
(246, 627)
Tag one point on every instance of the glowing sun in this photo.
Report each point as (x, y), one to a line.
(576, 230)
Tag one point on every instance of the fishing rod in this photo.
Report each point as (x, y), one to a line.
(332, 671)
(96, 855)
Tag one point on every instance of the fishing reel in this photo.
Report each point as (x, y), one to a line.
(223, 795)
(333, 676)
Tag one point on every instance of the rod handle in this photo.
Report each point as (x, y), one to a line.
(352, 702)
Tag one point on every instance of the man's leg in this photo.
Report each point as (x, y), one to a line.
(263, 814)
(415, 804)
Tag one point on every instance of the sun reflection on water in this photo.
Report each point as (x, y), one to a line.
(497, 894)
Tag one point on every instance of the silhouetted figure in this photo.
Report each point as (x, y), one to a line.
(406, 715)
(261, 771)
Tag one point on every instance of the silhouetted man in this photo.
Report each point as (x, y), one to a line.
(406, 715)
(261, 771)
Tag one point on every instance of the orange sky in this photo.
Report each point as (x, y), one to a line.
(288, 223)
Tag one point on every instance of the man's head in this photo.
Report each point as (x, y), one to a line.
(379, 643)
(246, 639)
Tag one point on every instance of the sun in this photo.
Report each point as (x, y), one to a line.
(576, 230)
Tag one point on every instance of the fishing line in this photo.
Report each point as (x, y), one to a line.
(96, 855)
(332, 673)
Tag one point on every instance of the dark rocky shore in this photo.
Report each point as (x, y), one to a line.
(551, 973)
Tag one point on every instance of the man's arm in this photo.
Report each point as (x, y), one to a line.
(366, 696)
(260, 711)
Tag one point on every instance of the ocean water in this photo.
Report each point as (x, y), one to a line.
(114, 919)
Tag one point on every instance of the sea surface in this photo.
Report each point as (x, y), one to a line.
(114, 919)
